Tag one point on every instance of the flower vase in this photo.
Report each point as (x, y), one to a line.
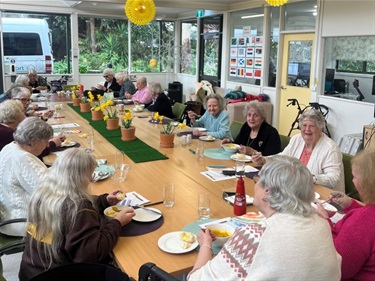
(128, 134)
(112, 124)
(76, 101)
(85, 107)
(166, 140)
(96, 115)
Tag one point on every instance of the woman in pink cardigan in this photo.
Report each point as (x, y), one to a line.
(354, 234)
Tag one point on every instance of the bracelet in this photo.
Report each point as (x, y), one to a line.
(206, 246)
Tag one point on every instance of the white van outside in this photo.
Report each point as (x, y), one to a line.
(27, 44)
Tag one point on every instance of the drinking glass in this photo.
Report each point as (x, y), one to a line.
(240, 168)
(168, 194)
(200, 150)
(121, 169)
(204, 206)
(90, 140)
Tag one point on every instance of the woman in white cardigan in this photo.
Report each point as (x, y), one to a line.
(316, 151)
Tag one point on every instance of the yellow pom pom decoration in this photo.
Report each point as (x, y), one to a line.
(276, 3)
(140, 12)
(153, 62)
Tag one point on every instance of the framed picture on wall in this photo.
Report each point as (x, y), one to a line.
(241, 62)
(250, 62)
(257, 73)
(233, 61)
(258, 52)
(242, 42)
(233, 52)
(258, 63)
(258, 40)
(241, 52)
(249, 51)
(241, 72)
(233, 71)
(234, 42)
(249, 72)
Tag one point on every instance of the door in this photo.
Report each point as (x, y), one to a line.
(295, 79)
(210, 49)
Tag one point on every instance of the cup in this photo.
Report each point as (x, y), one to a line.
(240, 168)
(90, 140)
(200, 150)
(204, 206)
(168, 194)
(121, 169)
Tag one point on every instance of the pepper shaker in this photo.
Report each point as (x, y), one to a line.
(183, 140)
(188, 139)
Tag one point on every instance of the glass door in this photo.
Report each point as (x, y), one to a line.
(295, 79)
(210, 49)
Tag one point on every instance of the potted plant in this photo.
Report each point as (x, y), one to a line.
(96, 111)
(110, 115)
(127, 130)
(76, 99)
(85, 104)
(167, 133)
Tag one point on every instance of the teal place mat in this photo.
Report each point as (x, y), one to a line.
(217, 153)
(136, 150)
(194, 228)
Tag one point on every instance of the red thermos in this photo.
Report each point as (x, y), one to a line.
(239, 206)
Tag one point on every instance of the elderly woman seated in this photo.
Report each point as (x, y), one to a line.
(313, 148)
(11, 114)
(143, 94)
(256, 135)
(215, 119)
(127, 86)
(161, 102)
(110, 84)
(282, 246)
(21, 170)
(37, 83)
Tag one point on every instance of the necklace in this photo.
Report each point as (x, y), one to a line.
(250, 141)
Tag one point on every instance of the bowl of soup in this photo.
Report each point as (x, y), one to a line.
(222, 233)
(231, 147)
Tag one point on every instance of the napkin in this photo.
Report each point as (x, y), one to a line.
(217, 175)
(136, 198)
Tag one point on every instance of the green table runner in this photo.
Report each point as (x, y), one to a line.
(136, 150)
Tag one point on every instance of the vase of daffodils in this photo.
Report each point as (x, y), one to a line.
(85, 104)
(76, 99)
(168, 132)
(110, 115)
(127, 130)
(96, 111)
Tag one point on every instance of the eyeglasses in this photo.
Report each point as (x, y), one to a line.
(256, 179)
(105, 76)
(24, 100)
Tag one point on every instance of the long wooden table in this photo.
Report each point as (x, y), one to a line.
(182, 168)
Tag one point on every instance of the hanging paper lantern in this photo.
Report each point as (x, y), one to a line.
(276, 2)
(153, 62)
(140, 12)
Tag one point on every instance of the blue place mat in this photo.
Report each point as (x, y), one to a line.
(194, 228)
(217, 153)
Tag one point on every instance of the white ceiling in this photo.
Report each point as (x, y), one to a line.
(167, 9)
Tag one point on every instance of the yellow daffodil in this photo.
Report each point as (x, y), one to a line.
(127, 119)
(171, 126)
(106, 117)
(181, 125)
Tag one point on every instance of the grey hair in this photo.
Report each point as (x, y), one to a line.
(142, 80)
(32, 129)
(55, 203)
(155, 87)
(32, 71)
(258, 106)
(290, 184)
(122, 76)
(19, 91)
(217, 97)
(22, 80)
(109, 71)
(314, 115)
(11, 111)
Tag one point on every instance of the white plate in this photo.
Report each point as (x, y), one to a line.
(205, 138)
(247, 158)
(128, 101)
(171, 243)
(72, 143)
(317, 195)
(199, 129)
(142, 215)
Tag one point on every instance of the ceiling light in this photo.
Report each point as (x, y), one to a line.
(252, 16)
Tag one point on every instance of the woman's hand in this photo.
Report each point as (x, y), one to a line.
(205, 237)
(247, 150)
(112, 197)
(226, 141)
(340, 198)
(125, 216)
(48, 114)
(59, 139)
(258, 158)
(321, 211)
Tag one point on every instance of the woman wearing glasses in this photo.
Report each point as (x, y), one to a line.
(110, 84)
(281, 247)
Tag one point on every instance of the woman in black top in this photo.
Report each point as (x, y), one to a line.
(161, 102)
(256, 135)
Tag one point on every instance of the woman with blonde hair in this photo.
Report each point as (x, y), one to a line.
(11, 114)
(63, 222)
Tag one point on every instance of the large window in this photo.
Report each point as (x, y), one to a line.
(38, 41)
(189, 33)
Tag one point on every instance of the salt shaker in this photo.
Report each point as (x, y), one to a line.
(183, 140)
(188, 139)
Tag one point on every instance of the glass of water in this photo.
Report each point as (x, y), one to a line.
(204, 210)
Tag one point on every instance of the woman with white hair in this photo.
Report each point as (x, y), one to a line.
(215, 119)
(110, 84)
(37, 83)
(127, 86)
(63, 222)
(11, 114)
(282, 246)
(21, 170)
(313, 148)
(161, 102)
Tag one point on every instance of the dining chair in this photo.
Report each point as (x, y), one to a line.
(235, 128)
(10, 244)
(349, 185)
(178, 110)
(284, 141)
(150, 272)
(83, 271)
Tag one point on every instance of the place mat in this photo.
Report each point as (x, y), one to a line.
(194, 228)
(136, 150)
(217, 153)
(62, 148)
(180, 134)
(164, 121)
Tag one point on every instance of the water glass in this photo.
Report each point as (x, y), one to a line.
(90, 140)
(204, 206)
(200, 150)
(168, 194)
(240, 168)
(121, 169)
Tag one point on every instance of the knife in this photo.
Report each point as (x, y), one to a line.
(152, 203)
(148, 210)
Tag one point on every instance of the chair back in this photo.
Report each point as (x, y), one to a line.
(284, 141)
(349, 185)
(82, 271)
(235, 128)
(150, 272)
(178, 110)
